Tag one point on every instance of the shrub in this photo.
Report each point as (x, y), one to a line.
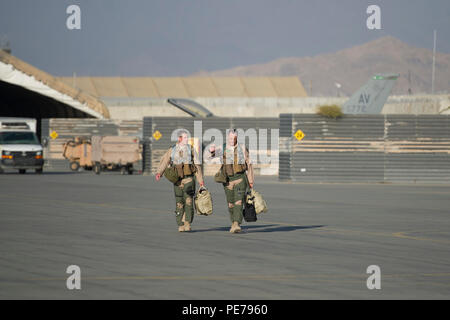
(332, 111)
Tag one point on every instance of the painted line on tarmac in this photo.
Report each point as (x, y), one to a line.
(404, 235)
(398, 235)
(401, 235)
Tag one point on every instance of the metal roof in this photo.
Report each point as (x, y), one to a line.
(188, 87)
(17, 72)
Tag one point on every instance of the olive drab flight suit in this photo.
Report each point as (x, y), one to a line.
(183, 159)
(239, 170)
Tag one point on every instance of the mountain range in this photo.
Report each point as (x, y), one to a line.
(344, 71)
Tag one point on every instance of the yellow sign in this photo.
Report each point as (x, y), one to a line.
(157, 135)
(54, 135)
(299, 135)
(195, 143)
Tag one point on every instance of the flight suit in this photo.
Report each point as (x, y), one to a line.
(239, 170)
(183, 159)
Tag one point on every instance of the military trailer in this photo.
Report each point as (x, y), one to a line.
(115, 153)
(78, 151)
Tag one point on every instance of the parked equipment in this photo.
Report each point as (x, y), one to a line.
(78, 151)
(114, 152)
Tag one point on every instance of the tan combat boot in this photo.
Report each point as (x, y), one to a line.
(235, 228)
(187, 226)
(183, 228)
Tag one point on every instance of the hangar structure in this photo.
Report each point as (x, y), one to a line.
(188, 87)
(137, 97)
(26, 91)
(29, 92)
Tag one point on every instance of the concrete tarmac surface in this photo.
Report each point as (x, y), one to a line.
(315, 242)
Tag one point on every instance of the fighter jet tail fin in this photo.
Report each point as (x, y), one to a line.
(371, 97)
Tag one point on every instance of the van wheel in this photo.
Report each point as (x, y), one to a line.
(22, 171)
(74, 166)
(97, 168)
(39, 171)
(130, 169)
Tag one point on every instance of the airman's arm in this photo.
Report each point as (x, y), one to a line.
(198, 172)
(250, 174)
(165, 160)
(213, 153)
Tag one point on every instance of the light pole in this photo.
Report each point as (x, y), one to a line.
(433, 72)
(338, 86)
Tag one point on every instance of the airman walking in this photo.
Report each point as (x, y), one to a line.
(238, 171)
(184, 160)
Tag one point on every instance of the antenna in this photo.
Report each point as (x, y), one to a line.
(409, 82)
(338, 86)
(433, 72)
(4, 44)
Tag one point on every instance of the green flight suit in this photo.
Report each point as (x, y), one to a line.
(236, 194)
(184, 198)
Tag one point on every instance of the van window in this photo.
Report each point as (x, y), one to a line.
(18, 138)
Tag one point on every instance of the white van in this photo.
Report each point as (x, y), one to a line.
(19, 146)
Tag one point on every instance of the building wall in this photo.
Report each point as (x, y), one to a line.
(267, 107)
(365, 148)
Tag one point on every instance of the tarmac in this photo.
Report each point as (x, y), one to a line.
(315, 242)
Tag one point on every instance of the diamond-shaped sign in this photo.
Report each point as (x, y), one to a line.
(54, 135)
(157, 135)
(299, 135)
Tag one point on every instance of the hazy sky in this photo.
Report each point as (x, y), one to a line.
(157, 38)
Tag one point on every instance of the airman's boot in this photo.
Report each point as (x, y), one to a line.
(235, 228)
(181, 229)
(187, 226)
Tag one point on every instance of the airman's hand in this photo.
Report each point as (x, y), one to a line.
(212, 149)
(251, 185)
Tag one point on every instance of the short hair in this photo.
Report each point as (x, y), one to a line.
(181, 132)
(232, 130)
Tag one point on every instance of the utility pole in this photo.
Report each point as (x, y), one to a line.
(74, 79)
(4, 44)
(433, 72)
(409, 82)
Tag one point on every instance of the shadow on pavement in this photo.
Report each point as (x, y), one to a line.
(262, 228)
(278, 228)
